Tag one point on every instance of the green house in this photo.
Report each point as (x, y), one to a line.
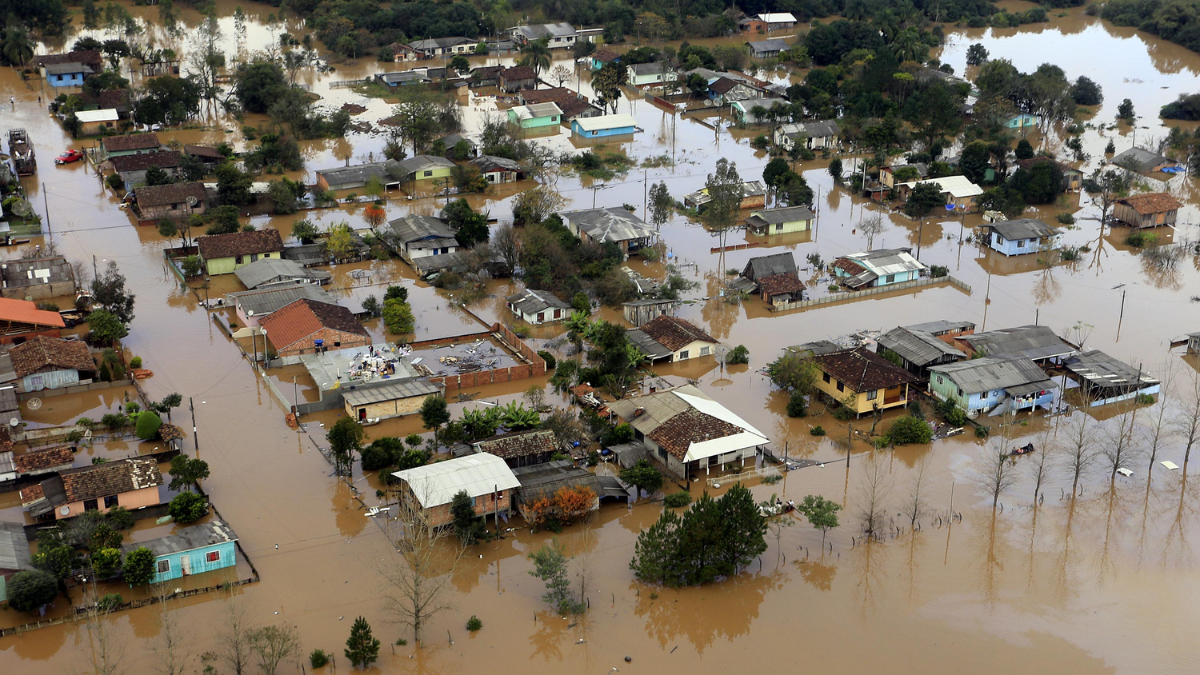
(225, 253)
(425, 167)
(535, 116)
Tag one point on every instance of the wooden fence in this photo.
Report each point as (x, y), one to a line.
(841, 297)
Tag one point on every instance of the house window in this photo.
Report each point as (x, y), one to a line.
(1020, 243)
(253, 257)
(558, 313)
(779, 227)
(704, 351)
(825, 377)
(90, 505)
(427, 174)
(960, 393)
(212, 557)
(683, 354)
(889, 278)
(939, 379)
(872, 394)
(110, 501)
(841, 386)
(36, 381)
(541, 316)
(238, 260)
(164, 566)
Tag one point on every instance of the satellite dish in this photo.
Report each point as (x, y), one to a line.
(191, 200)
(14, 422)
(34, 403)
(21, 208)
(65, 510)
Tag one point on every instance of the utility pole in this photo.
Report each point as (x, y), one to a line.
(46, 204)
(645, 193)
(95, 270)
(195, 434)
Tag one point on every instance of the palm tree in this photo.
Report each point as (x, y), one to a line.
(18, 47)
(537, 55)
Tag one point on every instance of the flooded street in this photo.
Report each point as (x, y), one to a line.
(1102, 584)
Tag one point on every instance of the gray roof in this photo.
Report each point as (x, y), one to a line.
(479, 474)
(36, 271)
(423, 163)
(188, 539)
(6, 462)
(538, 480)
(989, 374)
(413, 228)
(440, 43)
(8, 396)
(652, 68)
(768, 45)
(1101, 370)
(442, 261)
(750, 188)
(629, 453)
(653, 349)
(14, 547)
(305, 254)
(767, 265)
(359, 174)
(391, 392)
(1031, 342)
(1140, 159)
(917, 347)
(816, 129)
(935, 327)
(275, 270)
(266, 300)
(817, 348)
(532, 302)
(789, 214)
(541, 30)
(882, 262)
(67, 68)
(613, 223)
(1024, 228)
(488, 163)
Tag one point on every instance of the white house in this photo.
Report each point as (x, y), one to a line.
(538, 307)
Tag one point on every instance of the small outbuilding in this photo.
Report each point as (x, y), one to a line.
(522, 448)
(174, 201)
(52, 363)
(1151, 209)
(206, 547)
(267, 272)
(393, 399)
(1103, 379)
(1023, 236)
(781, 221)
(485, 478)
(538, 307)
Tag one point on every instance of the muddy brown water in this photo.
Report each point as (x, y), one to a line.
(1105, 583)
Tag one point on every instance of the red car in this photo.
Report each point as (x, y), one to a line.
(68, 157)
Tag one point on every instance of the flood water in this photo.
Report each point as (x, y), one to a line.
(1104, 583)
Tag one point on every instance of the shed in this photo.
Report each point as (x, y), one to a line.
(653, 350)
(51, 363)
(768, 265)
(499, 169)
(781, 221)
(992, 385)
(956, 190)
(754, 194)
(916, 350)
(638, 312)
(1152, 209)
(394, 399)
(881, 267)
(515, 79)
(542, 481)
(485, 478)
(1140, 160)
(192, 550)
(93, 122)
(604, 125)
(813, 135)
(267, 272)
(387, 172)
(538, 307)
(765, 49)
(415, 236)
(37, 278)
(1034, 343)
(522, 448)
(1104, 379)
(174, 201)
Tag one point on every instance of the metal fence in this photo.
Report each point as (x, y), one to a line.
(876, 290)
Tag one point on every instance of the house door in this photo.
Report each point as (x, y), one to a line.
(185, 564)
(362, 414)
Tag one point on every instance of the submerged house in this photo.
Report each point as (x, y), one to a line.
(130, 144)
(1019, 237)
(992, 385)
(268, 272)
(535, 115)
(52, 363)
(400, 396)
(863, 380)
(781, 221)
(21, 320)
(485, 478)
(754, 195)
(1140, 160)
(604, 125)
(542, 481)
(944, 330)
(680, 339)
(499, 169)
(512, 80)
(655, 72)
(255, 305)
(812, 135)
(755, 110)
(687, 431)
(537, 307)
(1152, 209)
(766, 49)
(357, 176)
(1103, 379)
(15, 554)
(557, 35)
(132, 168)
(225, 253)
(521, 448)
(881, 267)
(956, 190)
(916, 350)
(174, 201)
(774, 277)
(1039, 344)
(424, 167)
(613, 223)
(37, 278)
(193, 550)
(307, 327)
(415, 236)
(129, 483)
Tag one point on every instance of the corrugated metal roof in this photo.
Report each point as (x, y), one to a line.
(1031, 342)
(603, 122)
(959, 187)
(916, 346)
(6, 462)
(266, 270)
(652, 349)
(1023, 228)
(989, 374)
(532, 301)
(1102, 370)
(391, 392)
(14, 547)
(612, 223)
(885, 261)
(479, 474)
(935, 327)
(188, 539)
(264, 301)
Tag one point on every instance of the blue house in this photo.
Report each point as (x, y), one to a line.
(604, 125)
(881, 267)
(1022, 121)
(1018, 237)
(194, 550)
(66, 74)
(992, 385)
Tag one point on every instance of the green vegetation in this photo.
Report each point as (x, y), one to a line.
(821, 513)
(909, 429)
(362, 648)
(318, 658)
(738, 354)
(468, 525)
(148, 423)
(30, 590)
(677, 500)
(550, 564)
(139, 566)
(186, 507)
(474, 624)
(643, 476)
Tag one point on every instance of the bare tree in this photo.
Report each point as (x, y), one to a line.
(505, 244)
(584, 567)
(1078, 453)
(1122, 445)
(1041, 463)
(82, 274)
(914, 505)
(107, 651)
(994, 471)
(1187, 420)
(560, 74)
(234, 639)
(171, 648)
(874, 485)
(1161, 429)
(417, 572)
(871, 226)
(273, 644)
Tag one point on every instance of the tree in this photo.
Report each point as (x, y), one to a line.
(156, 176)
(362, 648)
(187, 507)
(106, 562)
(720, 214)
(654, 555)
(914, 504)
(1122, 445)
(345, 439)
(283, 197)
(185, 472)
(417, 569)
(1078, 450)
(743, 529)
(30, 590)
(550, 565)
(793, 371)
(105, 328)
(974, 161)
(994, 471)
(1024, 149)
(108, 291)
(536, 204)
(234, 636)
(821, 513)
(1186, 420)
(139, 566)
(871, 227)
(797, 405)
(1125, 111)
(835, 170)
(339, 242)
(172, 400)
(561, 74)
(909, 429)
(1086, 92)
(233, 185)
(977, 54)
(468, 226)
(924, 198)
(460, 64)
(147, 426)
(305, 231)
(774, 171)
(434, 414)
(537, 54)
(467, 524)
(374, 214)
(643, 476)
(273, 644)
(1108, 186)
(222, 220)
(875, 485)
(661, 204)
(258, 84)
(607, 83)
(398, 317)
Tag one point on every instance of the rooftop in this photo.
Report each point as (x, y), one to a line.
(1024, 228)
(780, 284)
(1101, 370)
(543, 480)
(943, 326)
(769, 45)
(862, 370)
(352, 367)
(520, 444)
(170, 194)
(715, 430)
(768, 265)
(164, 159)
(975, 376)
(424, 163)
(1152, 202)
(104, 115)
(302, 318)
(24, 311)
(917, 346)
(361, 173)
(44, 459)
(41, 352)
(130, 142)
(187, 539)
(392, 391)
(21, 273)
(14, 547)
(478, 474)
(1140, 159)
(267, 270)
(959, 187)
(1030, 342)
(110, 478)
(414, 228)
(603, 122)
(269, 299)
(613, 223)
(674, 333)
(230, 245)
(536, 110)
(532, 301)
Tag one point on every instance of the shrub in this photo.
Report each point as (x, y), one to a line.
(31, 589)
(593, 458)
(1139, 239)
(119, 518)
(139, 566)
(187, 507)
(474, 624)
(772, 479)
(401, 642)
(135, 362)
(148, 423)
(796, 405)
(551, 362)
(318, 658)
(1065, 218)
(110, 601)
(817, 431)
(678, 499)
(738, 354)
(909, 429)
(1145, 399)
(938, 271)
(114, 181)
(954, 416)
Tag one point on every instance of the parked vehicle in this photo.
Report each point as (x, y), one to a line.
(68, 157)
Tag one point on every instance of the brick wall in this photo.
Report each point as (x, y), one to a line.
(535, 368)
(484, 505)
(330, 336)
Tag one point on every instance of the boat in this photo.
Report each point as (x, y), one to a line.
(1023, 450)
(778, 508)
(370, 421)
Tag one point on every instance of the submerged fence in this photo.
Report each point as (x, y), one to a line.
(855, 295)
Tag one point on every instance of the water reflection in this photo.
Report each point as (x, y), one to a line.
(703, 615)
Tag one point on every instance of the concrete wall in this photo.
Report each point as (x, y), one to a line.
(535, 368)
(386, 409)
(331, 337)
(57, 289)
(130, 500)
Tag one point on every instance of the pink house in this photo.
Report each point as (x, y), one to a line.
(131, 483)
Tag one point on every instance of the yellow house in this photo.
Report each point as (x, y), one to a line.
(868, 380)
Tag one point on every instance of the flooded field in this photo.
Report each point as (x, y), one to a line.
(1104, 583)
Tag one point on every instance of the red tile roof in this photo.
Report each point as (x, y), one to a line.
(163, 159)
(302, 318)
(674, 333)
(130, 142)
(862, 370)
(518, 73)
(44, 460)
(172, 193)
(41, 352)
(1153, 202)
(214, 246)
(521, 444)
(779, 284)
(677, 434)
(24, 311)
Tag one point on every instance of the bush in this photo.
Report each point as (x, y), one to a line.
(1065, 218)
(148, 423)
(318, 658)
(1145, 399)
(187, 507)
(817, 431)
(119, 518)
(622, 433)
(593, 458)
(135, 362)
(114, 181)
(139, 566)
(474, 624)
(982, 432)
(398, 316)
(551, 362)
(110, 601)
(909, 429)
(738, 354)
(678, 499)
(796, 405)
(1139, 239)
(954, 416)
(31, 589)
(938, 271)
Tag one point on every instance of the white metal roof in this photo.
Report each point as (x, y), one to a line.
(436, 484)
(711, 407)
(722, 446)
(535, 110)
(958, 186)
(105, 115)
(606, 122)
(777, 17)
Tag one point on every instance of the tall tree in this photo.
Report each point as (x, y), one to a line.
(607, 83)
(661, 204)
(537, 55)
(345, 439)
(417, 571)
(109, 292)
(362, 648)
(720, 214)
